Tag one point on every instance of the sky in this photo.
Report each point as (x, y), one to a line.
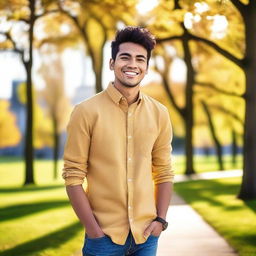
(77, 70)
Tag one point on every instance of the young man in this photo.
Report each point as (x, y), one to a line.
(119, 140)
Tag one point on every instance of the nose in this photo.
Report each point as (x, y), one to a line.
(132, 63)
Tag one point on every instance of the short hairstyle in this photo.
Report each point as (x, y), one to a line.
(137, 35)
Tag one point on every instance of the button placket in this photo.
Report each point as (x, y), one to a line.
(130, 162)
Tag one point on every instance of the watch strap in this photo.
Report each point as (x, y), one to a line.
(163, 221)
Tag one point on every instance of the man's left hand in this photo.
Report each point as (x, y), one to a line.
(155, 229)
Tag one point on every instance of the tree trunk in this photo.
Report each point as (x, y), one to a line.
(29, 149)
(97, 63)
(55, 148)
(214, 137)
(97, 59)
(234, 148)
(248, 187)
(98, 76)
(189, 109)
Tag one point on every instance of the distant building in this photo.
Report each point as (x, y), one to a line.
(19, 109)
(83, 92)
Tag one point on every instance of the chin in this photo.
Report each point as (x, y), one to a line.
(130, 85)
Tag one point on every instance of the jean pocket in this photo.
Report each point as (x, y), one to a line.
(96, 246)
(95, 238)
(153, 236)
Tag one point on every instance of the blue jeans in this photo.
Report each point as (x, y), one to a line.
(104, 246)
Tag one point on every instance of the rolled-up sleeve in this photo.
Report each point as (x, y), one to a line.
(161, 154)
(76, 148)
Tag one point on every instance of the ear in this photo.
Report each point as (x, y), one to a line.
(111, 64)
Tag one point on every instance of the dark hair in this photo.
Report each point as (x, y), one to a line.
(137, 35)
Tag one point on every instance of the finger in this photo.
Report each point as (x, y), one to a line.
(148, 231)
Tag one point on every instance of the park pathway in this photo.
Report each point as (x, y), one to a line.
(189, 234)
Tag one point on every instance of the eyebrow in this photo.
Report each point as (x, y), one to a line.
(129, 55)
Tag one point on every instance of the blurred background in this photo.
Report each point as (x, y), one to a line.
(55, 53)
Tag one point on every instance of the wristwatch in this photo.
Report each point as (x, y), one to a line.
(163, 221)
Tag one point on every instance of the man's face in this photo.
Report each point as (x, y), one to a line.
(130, 65)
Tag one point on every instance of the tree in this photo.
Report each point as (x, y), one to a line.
(96, 21)
(27, 17)
(53, 94)
(22, 17)
(214, 136)
(42, 128)
(186, 111)
(248, 187)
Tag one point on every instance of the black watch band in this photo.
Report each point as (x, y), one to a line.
(163, 221)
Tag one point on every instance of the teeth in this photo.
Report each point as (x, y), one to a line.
(130, 73)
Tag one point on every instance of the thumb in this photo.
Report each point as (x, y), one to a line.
(148, 231)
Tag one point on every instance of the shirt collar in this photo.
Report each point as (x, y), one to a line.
(116, 96)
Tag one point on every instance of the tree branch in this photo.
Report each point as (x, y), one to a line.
(176, 5)
(168, 91)
(214, 87)
(46, 13)
(15, 49)
(72, 17)
(239, 6)
(217, 48)
(24, 20)
(160, 40)
(228, 112)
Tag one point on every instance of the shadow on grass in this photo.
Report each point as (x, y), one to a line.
(209, 190)
(21, 210)
(10, 159)
(29, 188)
(251, 204)
(52, 240)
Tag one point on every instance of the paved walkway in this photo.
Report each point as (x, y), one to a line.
(208, 175)
(189, 235)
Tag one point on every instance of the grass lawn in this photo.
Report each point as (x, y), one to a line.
(36, 220)
(205, 164)
(216, 201)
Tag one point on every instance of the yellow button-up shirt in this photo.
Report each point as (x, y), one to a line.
(122, 151)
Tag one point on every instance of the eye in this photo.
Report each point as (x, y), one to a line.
(141, 60)
(124, 58)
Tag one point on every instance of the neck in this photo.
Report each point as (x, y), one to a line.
(131, 94)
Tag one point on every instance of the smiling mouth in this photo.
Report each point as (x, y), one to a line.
(131, 73)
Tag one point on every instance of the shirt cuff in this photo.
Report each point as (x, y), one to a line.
(73, 181)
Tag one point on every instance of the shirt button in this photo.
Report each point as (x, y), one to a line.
(129, 207)
(130, 180)
(129, 113)
(129, 159)
(131, 220)
(129, 137)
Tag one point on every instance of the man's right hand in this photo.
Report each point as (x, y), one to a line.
(95, 234)
(84, 212)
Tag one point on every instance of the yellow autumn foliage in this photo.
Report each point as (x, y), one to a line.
(9, 132)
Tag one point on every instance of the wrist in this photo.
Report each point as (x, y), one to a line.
(162, 221)
(94, 233)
